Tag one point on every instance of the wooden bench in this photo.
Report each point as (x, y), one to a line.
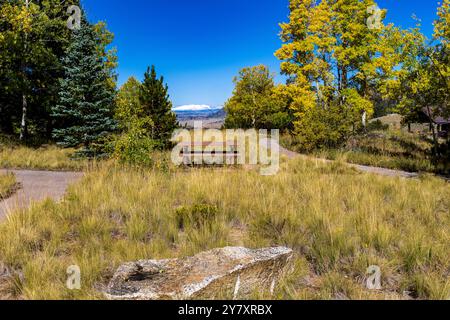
(223, 153)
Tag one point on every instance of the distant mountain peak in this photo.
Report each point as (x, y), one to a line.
(195, 107)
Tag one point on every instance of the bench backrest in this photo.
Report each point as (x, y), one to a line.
(223, 152)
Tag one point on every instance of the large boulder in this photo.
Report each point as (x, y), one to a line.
(219, 273)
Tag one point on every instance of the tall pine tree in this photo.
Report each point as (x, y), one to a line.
(155, 102)
(85, 109)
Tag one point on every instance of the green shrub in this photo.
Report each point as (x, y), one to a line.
(321, 128)
(134, 148)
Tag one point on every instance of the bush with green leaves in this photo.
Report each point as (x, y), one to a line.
(320, 128)
(135, 147)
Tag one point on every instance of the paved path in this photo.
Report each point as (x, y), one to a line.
(36, 186)
(368, 169)
(384, 171)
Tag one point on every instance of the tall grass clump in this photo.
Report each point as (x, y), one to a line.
(8, 185)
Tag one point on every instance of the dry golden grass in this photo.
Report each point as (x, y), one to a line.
(338, 222)
(7, 185)
(47, 157)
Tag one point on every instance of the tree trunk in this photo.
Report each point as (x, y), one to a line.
(339, 78)
(364, 119)
(344, 78)
(23, 123)
(433, 131)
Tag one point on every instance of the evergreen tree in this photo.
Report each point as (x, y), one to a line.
(86, 97)
(155, 103)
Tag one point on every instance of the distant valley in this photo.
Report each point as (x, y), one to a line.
(211, 117)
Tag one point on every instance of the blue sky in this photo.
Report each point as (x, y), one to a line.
(199, 45)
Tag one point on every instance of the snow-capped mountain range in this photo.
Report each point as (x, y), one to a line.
(195, 107)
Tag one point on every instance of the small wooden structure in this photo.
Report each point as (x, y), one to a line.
(441, 124)
(210, 153)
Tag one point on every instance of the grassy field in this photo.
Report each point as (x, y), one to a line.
(7, 185)
(337, 220)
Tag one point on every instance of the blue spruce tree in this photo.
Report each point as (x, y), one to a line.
(86, 99)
